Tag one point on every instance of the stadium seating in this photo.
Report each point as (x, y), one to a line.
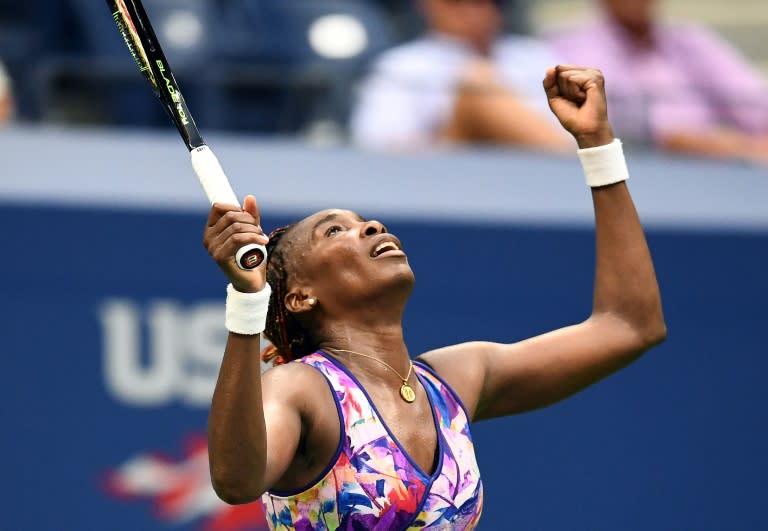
(269, 66)
(21, 40)
(97, 78)
(291, 63)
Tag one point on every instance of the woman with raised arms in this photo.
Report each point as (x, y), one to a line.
(347, 431)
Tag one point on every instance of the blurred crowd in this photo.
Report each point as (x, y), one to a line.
(387, 74)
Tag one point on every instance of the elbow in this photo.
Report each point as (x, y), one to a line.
(655, 334)
(651, 331)
(235, 492)
(234, 496)
(636, 334)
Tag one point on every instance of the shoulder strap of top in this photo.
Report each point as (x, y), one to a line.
(449, 405)
(361, 422)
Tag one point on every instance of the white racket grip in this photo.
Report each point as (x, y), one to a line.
(217, 188)
(212, 176)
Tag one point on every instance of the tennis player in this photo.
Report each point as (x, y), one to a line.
(346, 431)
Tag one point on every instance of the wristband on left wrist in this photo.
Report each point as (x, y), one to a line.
(604, 165)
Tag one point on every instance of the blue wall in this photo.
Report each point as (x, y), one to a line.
(675, 441)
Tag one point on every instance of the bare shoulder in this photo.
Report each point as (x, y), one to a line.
(297, 383)
(302, 424)
(462, 367)
(302, 389)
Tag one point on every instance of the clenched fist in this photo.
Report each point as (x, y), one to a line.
(576, 96)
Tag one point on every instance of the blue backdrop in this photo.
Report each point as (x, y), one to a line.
(111, 331)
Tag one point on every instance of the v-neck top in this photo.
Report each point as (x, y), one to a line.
(371, 482)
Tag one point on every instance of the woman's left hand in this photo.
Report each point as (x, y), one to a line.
(577, 97)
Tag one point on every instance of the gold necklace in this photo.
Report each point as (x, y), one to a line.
(406, 391)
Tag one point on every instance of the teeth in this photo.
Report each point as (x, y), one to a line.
(385, 246)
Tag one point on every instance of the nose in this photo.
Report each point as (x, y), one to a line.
(372, 228)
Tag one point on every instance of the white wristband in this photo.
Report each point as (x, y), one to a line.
(604, 165)
(246, 313)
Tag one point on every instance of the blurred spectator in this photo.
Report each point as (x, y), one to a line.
(678, 87)
(6, 96)
(461, 82)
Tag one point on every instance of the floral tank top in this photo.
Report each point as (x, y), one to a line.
(372, 483)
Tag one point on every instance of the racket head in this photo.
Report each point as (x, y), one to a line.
(135, 28)
(127, 29)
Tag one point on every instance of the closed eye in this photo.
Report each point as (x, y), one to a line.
(333, 230)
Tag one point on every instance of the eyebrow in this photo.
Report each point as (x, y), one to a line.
(330, 217)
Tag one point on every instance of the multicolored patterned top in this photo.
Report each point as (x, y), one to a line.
(372, 483)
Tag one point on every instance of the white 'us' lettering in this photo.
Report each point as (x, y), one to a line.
(161, 353)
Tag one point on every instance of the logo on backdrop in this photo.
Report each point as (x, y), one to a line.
(155, 355)
(163, 352)
(181, 490)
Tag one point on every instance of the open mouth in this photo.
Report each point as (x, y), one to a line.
(385, 247)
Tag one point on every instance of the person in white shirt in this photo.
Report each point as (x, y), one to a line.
(462, 82)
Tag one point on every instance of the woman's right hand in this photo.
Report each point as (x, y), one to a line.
(227, 230)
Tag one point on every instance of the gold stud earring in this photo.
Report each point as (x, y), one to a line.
(312, 301)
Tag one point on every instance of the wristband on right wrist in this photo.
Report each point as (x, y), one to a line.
(604, 165)
(246, 313)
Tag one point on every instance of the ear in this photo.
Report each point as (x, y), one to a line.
(298, 301)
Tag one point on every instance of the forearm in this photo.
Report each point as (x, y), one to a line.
(625, 280)
(720, 143)
(236, 430)
(484, 110)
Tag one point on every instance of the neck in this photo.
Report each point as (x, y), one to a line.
(373, 327)
(384, 342)
(375, 321)
(641, 35)
(478, 46)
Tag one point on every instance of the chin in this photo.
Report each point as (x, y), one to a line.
(400, 280)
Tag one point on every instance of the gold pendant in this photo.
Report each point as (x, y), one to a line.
(407, 393)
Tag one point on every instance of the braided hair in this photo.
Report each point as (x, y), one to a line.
(289, 339)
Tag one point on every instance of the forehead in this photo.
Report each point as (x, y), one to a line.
(310, 223)
(303, 230)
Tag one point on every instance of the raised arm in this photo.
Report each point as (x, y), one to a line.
(239, 422)
(626, 317)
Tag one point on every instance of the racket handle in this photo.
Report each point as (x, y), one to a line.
(218, 190)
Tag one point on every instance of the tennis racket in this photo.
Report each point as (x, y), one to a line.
(134, 26)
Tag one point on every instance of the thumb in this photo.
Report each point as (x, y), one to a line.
(250, 206)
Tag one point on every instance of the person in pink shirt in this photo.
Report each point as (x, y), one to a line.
(679, 87)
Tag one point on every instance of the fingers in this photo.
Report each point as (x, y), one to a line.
(571, 84)
(249, 205)
(224, 246)
(229, 228)
(550, 83)
(218, 210)
(234, 221)
(575, 81)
